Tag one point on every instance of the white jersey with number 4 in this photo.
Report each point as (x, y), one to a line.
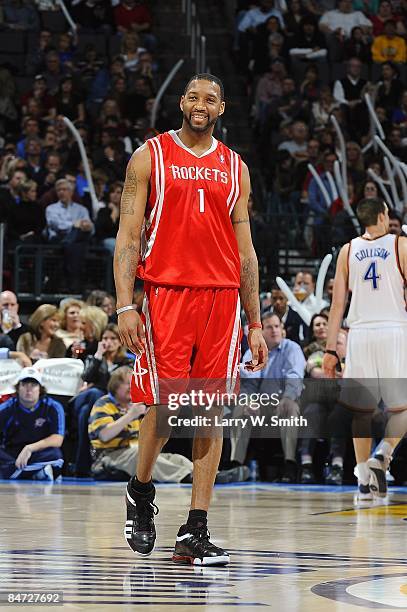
(377, 284)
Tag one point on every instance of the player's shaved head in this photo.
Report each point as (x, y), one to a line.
(205, 76)
(369, 209)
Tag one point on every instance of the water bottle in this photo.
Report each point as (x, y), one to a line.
(254, 470)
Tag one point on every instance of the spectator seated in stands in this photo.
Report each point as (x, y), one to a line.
(269, 90)
(395, 224)
(384, 14)
(68, 102)
(399, 115)
(130, 51)
(294, 326)
(26, 220)
(107, 220)
(283, 374)
(69, 224)
(132, 15)
(304, 290)
(70, 321)
(32, 429)
(10, 322)
(297, 145)
(93, 322)
(113, 430)
(42, 342)
(389, 88)
(258, 15)
(317, 340)
(317, 411)
(10, 194)
(31, 127)
(105, 301)
(338, 24)
(389, 47)
(308, 42)
(109, 356)
(358, 46)
(54, 72)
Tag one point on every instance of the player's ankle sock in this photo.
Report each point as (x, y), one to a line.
(338, 461)
(384, 449)
(140, 487)
(362, 473)
(197, 518)
(306, 459)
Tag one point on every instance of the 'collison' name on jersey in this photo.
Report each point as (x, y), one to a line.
(378, 252)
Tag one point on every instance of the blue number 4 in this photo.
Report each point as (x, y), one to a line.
(372, 275)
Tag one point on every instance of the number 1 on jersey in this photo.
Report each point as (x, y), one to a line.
(372, 275)
(201, 200)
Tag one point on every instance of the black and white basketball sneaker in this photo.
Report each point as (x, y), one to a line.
(364, 494)
(378, 466)
(193, 547)
(139, 530)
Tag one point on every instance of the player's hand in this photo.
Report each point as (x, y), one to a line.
(135, 411)
(259, 350)
(24, 457)
(131, 331)
(329, 364)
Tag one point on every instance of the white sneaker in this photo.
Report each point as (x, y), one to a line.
(378, 468)
(364, 494)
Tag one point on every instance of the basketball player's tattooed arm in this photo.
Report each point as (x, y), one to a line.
(249, 273)
(339, 300)
(126, 256)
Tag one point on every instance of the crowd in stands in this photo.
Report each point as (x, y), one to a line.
(103, 423)
(306, 61)
(103, 79)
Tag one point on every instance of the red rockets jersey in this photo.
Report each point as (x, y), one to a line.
(188, 238)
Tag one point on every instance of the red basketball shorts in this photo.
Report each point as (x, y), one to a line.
(192, 335)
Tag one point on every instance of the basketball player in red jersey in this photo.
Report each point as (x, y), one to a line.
(184, 229)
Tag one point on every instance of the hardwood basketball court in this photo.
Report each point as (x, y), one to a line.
(293, 548)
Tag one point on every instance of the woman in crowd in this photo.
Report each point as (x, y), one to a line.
(109, 356)
(70, 321)
(107, 220)
(42, 342)
(105, 301)
(318, 334)
(293, 17)
(131, 51)
(93, 322)
(68, 103)
(358, 46)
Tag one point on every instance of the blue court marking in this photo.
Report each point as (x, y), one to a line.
(252, 486)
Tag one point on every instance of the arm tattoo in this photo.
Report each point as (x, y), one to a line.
(129, 193)
(249, 288)
(241, 221)
(128, 260)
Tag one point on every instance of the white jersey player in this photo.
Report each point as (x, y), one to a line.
(373, 268)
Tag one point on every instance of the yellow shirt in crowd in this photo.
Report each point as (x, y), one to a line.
(106, 410)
